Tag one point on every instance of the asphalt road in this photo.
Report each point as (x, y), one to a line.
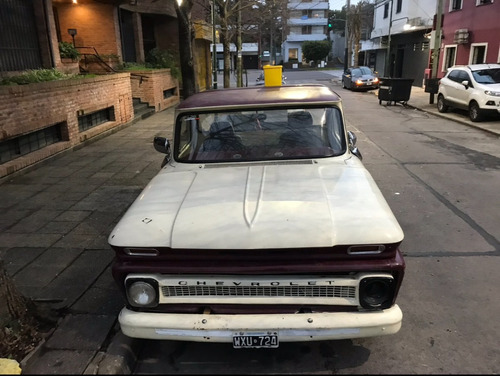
(441, 179)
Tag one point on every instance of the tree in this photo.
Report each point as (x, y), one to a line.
(186, 41)
(316, 50)
(360, 17)
(248, 19)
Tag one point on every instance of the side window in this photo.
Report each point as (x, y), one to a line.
(454, 75)
(464, 76)
(455, 5)
(449, 57)
(478, 53)
(335, 130)
(483, 2)
(399, 6)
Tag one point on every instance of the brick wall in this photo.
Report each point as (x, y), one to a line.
(151, 88)
(28, 108)
(96, 25)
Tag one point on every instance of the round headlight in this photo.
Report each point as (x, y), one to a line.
(376, 292)
(142, 294)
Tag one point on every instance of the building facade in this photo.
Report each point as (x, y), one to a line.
(470, 33)
(307, 21)
(399, 46)
(41, 119)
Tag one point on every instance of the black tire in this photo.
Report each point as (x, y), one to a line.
(442, 107)
(475, 113)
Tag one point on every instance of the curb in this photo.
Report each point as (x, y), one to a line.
(448, 117)
(119, 358)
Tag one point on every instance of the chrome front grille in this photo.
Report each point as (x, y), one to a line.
(260, 291)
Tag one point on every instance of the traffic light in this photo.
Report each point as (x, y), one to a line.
(330, 23)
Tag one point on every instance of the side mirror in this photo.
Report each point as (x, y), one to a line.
(352, 145)
(465, 83)
(162, 145)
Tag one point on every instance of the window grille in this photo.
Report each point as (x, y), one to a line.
(28, 143)
(96, 118)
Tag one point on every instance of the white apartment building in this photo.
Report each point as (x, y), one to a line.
(307, 21)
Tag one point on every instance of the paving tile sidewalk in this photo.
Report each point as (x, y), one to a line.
(54, 222)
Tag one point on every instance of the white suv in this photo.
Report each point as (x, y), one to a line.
(475, 88)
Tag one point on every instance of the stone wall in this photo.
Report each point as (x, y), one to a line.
(25, 109)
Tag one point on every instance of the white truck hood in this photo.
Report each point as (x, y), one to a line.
(257, 206)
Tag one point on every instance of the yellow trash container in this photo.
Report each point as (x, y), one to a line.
(272, 75)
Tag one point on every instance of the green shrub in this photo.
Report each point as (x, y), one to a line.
(130, 66)
(35, 75)
(159, 59)
(67, 50)
(316, 50)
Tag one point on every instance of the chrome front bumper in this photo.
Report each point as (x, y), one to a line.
(290, 327)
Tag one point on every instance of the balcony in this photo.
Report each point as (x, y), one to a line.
(307, 22)
(305, 37)
(312, 5)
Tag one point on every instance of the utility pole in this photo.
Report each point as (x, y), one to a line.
(239, 65)
(387, 69)
(437, 45)
(346, 54)
(214, 50)
(272, 55)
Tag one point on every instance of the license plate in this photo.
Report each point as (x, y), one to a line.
(246, 340)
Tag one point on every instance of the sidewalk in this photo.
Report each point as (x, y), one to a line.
(54, 225)
(419, 99)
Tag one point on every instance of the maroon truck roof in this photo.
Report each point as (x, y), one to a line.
(260, 96)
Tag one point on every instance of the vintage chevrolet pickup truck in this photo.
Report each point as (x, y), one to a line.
(262, 226)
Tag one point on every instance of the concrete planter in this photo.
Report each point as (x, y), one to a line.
(156, 87)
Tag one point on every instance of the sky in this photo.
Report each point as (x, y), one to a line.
(338, 4)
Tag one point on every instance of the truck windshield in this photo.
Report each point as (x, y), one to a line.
(259, 135)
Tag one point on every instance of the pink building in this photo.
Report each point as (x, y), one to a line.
(470, 33)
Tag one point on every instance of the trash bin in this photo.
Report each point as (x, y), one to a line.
(394, 90)
(272, 75)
